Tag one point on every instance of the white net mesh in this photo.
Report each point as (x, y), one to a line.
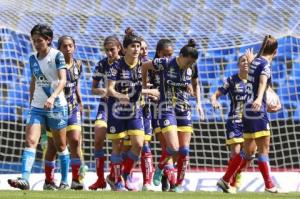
(223, 29)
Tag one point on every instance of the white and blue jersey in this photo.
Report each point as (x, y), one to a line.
(46, 78)
(256, 124)
(45, 72)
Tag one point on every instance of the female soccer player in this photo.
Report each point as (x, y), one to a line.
(175, 111)
(255, 119)
(66, 45)
(124, 111)
(113, 48)
(235, 87)
(47, 100)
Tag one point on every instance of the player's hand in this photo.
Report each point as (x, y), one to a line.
(154, 93)
(256, 105)
(102, 92)
(215, 104)
(49, 103)
(250, 55)
(201, 112)
(190, 90)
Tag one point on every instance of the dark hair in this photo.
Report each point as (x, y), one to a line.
(130, 37)
(113, 39)
(162, 44)
(189, 50)
(62, 38)
(240, 58)
(43, 30)
(268, 46)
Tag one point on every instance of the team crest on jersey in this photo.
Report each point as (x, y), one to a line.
(189, 71)
(113, 71)
(231, 134)
(166, 122)
(112, 129)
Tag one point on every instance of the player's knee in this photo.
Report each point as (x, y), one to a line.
(31, 142)
(172, 151)
(184, 150)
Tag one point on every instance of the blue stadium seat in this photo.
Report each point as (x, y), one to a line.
(278, 70)
(140, 25)
(66, 25)
(100, 25)
(87, 7)
(7, 113)
(30, 19)
(169, 25)
(295, 73)
(280, 115)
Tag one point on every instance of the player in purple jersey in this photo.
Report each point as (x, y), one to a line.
(113, 48)
(125, 112)
(47, 101)
(66, 44)
(255, 119)
(235, 87)
(174, 109)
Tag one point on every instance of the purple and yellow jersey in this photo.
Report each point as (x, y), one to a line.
(173, 83)
(235, 87)
(256, 124)
(73, 76)
(129, 82)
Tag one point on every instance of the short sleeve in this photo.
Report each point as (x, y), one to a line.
(160, 63)
(113, 71)
(97, 75)
(60, 61)
(266, 70)
(225, 87)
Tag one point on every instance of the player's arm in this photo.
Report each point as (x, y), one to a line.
(79, 96)
(98, 91)
(262, 86)
(32, 88)
(113, 93)
(145, 67)
(196, 92)
(214, 99)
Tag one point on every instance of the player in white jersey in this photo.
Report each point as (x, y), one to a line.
(48, 103)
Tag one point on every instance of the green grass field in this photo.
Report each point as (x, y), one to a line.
(137, 195)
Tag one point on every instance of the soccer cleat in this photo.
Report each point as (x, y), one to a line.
(165, 185)
(129, 184)
(233, 190)
(176, 189)
(147, 187)
(157, 176)
(76, 185)
(119, 186)
(99, 184)
(111, 182)
(272, 190)
(50, 186)
(223, 185)
(63, 186)
(238, 180)
(19, 183)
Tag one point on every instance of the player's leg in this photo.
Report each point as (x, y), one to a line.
(50, 157)
(33, 132)
(57, 121)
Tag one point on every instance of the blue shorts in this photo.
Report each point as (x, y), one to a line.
(55, 119)
(101, 118)
(256, 124)
(120, 127)
(74, 120)
(176, 120)
(234, 132)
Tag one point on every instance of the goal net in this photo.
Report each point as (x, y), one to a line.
(224, 29)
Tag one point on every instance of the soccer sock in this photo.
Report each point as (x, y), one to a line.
(100, 159)
(146, 164)
(264, 167)
(75, 165)
(233, 166)
(129, 162)
(163, 161)
(116, 166)
(169, 171)
(28, 158)
(49, 171)
(182, 163)
(64, 158)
